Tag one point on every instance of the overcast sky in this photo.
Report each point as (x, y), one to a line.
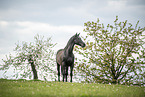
(21, 20)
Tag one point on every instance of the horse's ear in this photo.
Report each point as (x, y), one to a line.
(78, 34)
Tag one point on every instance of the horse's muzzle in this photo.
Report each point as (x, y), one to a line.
(83, 45)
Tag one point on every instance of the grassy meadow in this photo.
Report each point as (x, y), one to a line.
(24, 88)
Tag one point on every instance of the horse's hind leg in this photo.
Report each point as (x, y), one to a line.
(63, 71)
(58, 70)
(66, 73)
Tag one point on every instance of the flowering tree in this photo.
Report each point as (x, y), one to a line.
(32, 59)
(114, 54)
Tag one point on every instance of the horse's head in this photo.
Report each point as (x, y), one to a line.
(78, 40)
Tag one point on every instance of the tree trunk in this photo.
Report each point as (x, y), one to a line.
(114, 81)
(35, 76)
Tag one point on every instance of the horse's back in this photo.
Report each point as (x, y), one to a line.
(59, 56)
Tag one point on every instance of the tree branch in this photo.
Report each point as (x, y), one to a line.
(125, 73)
(123, 62)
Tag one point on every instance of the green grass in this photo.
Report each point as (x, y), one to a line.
(24, 88)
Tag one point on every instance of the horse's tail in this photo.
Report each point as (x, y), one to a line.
(58, 61)
(58, 71)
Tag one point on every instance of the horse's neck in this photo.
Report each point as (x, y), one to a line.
(69, 48)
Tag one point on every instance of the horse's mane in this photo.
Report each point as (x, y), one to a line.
(69, 42)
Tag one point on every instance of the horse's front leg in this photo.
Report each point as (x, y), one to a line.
(71, 72)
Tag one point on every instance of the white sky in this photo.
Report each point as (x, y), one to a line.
(21, 20)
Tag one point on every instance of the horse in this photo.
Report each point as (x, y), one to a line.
(65, 57)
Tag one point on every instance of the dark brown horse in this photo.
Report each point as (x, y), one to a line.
(65, 57)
